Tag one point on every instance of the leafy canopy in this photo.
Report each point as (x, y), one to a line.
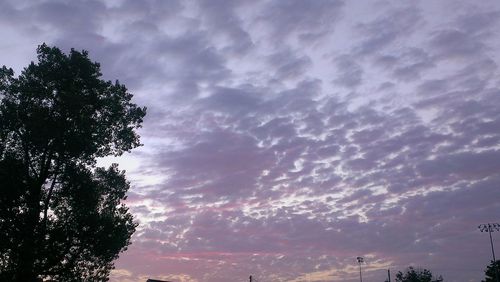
(62, 218)
(491, 272)
(417, 275)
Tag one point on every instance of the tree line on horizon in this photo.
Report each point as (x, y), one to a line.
(416, 274)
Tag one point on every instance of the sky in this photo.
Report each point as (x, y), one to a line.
(285, 138)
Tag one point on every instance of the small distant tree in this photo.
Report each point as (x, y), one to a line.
(61, 217)
(417, 275)
(490, 272)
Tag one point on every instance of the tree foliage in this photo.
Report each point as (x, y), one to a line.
(61, 217)
(417, 275)
(490, 271)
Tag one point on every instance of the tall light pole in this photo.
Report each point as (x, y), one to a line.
(491, 227)
(360, 261)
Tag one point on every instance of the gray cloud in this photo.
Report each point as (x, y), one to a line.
(350, 73)
(408, 66)
(391, 26)
(307, 22)
(221, 17)
(289, 65)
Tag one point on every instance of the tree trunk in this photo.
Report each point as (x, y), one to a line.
(26, 267)
(28, 249)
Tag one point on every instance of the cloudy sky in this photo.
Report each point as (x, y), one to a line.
(286, 138)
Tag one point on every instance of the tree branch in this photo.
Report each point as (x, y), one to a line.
(49, 196)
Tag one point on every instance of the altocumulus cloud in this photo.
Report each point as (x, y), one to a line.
(285, 138)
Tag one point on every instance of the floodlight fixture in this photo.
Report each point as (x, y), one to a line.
(360, 261)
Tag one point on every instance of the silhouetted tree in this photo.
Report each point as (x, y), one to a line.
(490, 271)
(61, 217)
(417, 275)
